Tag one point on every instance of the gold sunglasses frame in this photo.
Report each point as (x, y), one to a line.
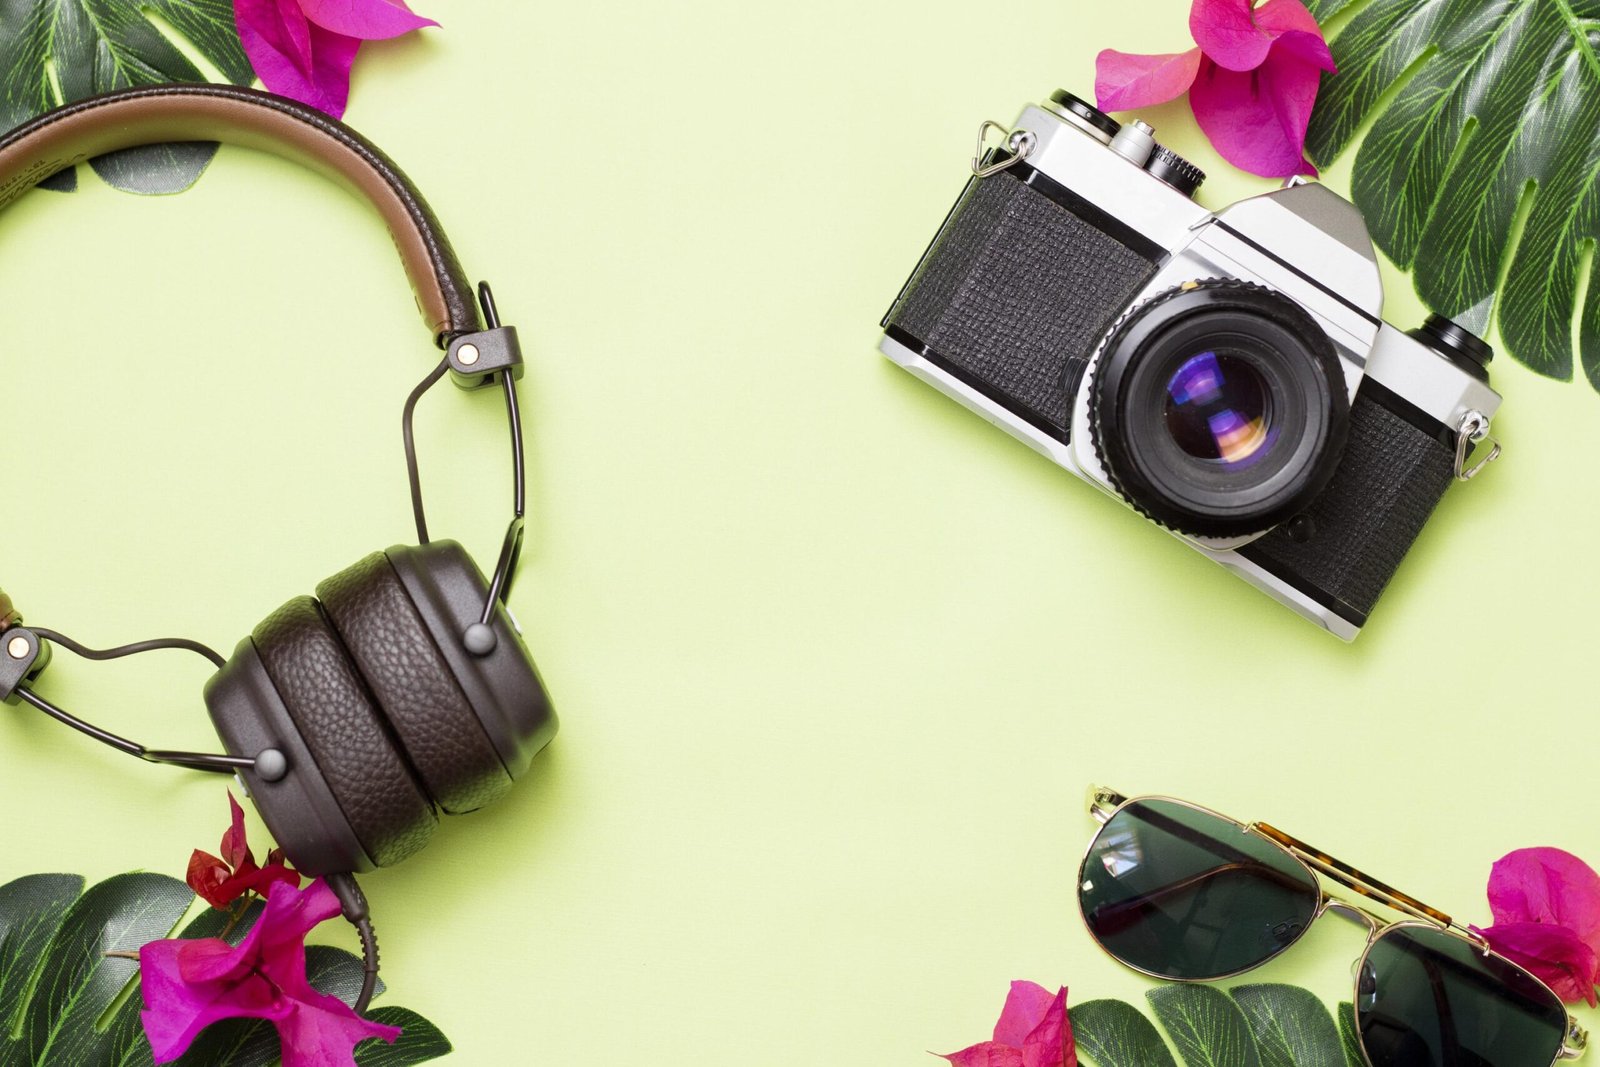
(1321, 868)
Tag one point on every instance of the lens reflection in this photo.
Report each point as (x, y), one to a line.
(1427, 999)
(1184, 894)
(1216, 409)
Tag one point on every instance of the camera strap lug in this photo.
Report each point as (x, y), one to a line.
(1019, 144)
(1474, 428)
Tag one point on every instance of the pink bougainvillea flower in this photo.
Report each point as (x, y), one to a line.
(189, 984)
(1251, 82)
(1546, 906)
(219, 881)
(1033, 1031)
(303, 49)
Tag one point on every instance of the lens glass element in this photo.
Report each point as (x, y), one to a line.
(1181, 893)
(1427, 999)
(1217, 408)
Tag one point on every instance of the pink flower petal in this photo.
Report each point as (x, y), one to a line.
(1027, 1004)
(274, 32)
(1124, 82)
(1257, 120)
(1227, 33)
(988, 1054)
(1051, 1044)
(1309, 48)
(368, 20)
(235, 849)
(325, 85)
(1547, 885)
(176, 1010)
(1278, 17)
(1555, 954)
(213, 960)
(189, 984)
(325, 1032)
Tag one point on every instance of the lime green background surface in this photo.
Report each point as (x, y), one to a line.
(835, 659)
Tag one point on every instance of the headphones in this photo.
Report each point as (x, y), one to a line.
(403, 688)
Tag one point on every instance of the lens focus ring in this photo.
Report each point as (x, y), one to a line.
(1218, 408)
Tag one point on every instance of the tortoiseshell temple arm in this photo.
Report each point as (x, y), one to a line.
(1356, 882)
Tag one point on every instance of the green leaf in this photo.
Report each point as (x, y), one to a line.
(57, 984)
(1114, 1034)
(1353, 1055)
(92, 46)
(1248, 1026)
(1292, 1027)
(419, 1042)
(1206, 1025)
(1498, 100)
(76, 980)
(31, 910)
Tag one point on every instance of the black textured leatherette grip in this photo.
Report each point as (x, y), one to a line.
(341, 727)
(403, 668)
(1015, 288)
(1356, 533)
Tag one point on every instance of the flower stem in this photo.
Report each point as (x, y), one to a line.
(233, 919)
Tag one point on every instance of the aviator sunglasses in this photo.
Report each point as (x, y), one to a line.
(1181, 893)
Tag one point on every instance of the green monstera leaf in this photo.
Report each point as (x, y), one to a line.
(1248, 1026)
(67, 1003)
(1353, 1056)
(1498, 102)
(57, 51)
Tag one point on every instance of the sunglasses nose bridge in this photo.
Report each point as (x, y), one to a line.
(1353, 914)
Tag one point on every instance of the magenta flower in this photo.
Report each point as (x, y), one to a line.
(1251, 82)
(189, 984)
(1033, 1031)
(219, 881)
(1546, 906)
(303, 49)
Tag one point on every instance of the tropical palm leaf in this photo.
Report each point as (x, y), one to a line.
(1498, 101)
(1248, 1026)
(66, 1003)
(57, 51)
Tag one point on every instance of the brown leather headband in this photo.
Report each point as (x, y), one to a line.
(164, 114)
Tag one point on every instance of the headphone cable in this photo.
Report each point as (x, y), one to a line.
(354, 903)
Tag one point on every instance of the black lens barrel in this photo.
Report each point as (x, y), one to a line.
(1265, 337)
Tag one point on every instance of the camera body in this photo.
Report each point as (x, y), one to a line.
(1225, 373)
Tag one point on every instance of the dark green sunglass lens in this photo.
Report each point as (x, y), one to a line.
(1184, 894)
(1427, 999)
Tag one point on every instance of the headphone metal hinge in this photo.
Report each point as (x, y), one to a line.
(22, 654)
(23, 657)
(477, 358)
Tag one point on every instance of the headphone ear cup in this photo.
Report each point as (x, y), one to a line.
(295, 801)
(402, 665)
(344, 732)
(502, 686)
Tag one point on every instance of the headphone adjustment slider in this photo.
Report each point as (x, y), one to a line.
(476, 358)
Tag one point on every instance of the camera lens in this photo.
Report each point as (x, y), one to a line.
(1219, 409)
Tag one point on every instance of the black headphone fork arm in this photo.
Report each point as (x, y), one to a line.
(476, 360)
(25, 656)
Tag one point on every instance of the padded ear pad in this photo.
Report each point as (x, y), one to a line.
(344, 732)
(503, 687)
(440, 733)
